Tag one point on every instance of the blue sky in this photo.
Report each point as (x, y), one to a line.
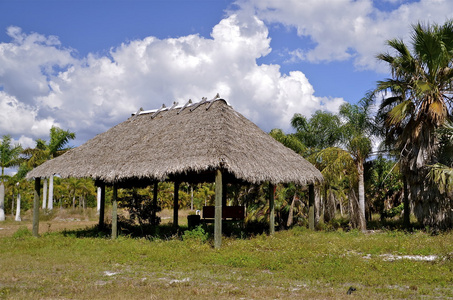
(87, 65)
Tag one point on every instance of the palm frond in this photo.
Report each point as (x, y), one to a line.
(400, 112)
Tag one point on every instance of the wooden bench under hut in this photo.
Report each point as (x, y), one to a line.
(206, 141)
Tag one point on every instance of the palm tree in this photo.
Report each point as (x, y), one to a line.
(419, 103)
(357, 132)
(9, 157)
(289, 140)
(20, 183)
(44, 151)
(441, 173)
(319, 132)
(340, 175)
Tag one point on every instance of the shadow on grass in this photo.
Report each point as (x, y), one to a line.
(168, 231)
(242, 230)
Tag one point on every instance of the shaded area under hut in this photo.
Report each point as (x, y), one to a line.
(207, 141)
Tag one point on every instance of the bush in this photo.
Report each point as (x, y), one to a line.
(141, 208)
(390, 213)
(196, 235)
(22, 232)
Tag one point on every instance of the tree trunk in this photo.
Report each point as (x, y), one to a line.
(98, 198)
(218, 209)
(341, 207)
(44, 194)
(191, 197)
(50, 203)
(330, 206)
(318, 200)
(406, 203)
(37, 196)
(432, 209)
(353, 209)
(2, 201)
(362, 221)
(291, 210)
(12, 204)
(18, 208)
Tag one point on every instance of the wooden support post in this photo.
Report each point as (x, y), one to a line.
(115, 212)
(175, 204)
(36, 200)
(155, 200)
(271, 209)
(101, 190)
(218, 210)
(311, 207)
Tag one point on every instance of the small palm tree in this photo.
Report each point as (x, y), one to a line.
(321, 131)
(289, 140)
(357, 132)
(9, 157)
(44, 151)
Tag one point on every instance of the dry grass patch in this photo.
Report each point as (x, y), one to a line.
(292, 264)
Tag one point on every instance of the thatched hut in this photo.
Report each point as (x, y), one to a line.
(207, 141)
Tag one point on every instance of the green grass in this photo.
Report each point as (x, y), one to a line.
(291, 264)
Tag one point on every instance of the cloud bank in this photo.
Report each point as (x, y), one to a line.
(349, 29)
(43, 83)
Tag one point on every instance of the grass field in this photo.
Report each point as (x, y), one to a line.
(297, 264)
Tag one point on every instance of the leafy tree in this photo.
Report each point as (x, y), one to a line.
(44, 151)
(418, 102)
(9, 157)
(340, 174)
(321, 131)
(140, 206)
(289, 140)
(204, 195)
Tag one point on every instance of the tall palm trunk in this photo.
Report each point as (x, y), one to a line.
(50, 202)
(406, 203)
(361, 212)
(44, 194)
(18, 208)
(2, 201)
(431, 208)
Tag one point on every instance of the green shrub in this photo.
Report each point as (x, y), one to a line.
(22, 232)
(195, 235)
(390, 213)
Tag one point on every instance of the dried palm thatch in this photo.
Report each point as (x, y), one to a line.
(183, 143)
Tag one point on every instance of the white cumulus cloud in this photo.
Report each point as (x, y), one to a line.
(91, 94)
(348, 29)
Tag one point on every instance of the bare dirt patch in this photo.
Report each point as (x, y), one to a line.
(59, 221)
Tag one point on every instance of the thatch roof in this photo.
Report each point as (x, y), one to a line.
(183, 143)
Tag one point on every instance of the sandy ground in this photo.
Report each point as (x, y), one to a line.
(9, 227)
(65, 220)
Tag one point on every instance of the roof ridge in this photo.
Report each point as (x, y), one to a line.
(192, 105)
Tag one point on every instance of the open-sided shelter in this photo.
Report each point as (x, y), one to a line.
(207, 141)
